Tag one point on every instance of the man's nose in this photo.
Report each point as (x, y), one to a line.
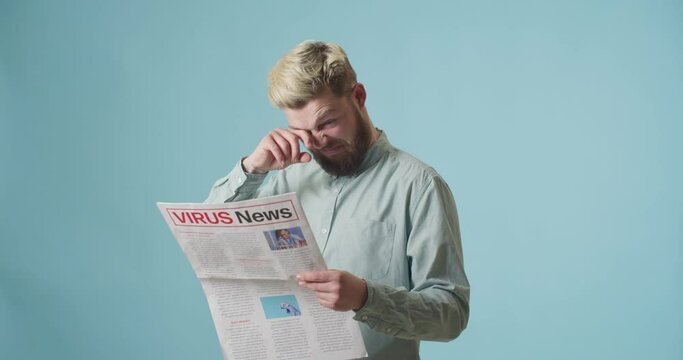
(319, 139)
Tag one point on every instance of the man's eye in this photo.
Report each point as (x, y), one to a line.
(326, 124)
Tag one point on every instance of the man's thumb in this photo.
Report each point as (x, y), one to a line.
(305, 157)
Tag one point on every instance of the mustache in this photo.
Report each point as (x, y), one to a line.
(332, 143)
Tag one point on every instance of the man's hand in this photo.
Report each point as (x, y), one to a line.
(277, 150)
(337, 290)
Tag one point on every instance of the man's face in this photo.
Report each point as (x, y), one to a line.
(341, 135)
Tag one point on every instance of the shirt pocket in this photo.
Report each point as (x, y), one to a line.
(367, 247)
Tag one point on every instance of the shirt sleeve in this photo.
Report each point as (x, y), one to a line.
(237, 185)
(436, 307)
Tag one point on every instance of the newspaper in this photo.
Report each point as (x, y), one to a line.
(246, 256)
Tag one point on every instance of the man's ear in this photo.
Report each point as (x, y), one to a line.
(358, 93)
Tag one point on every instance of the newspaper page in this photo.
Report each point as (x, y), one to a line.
(246, 256)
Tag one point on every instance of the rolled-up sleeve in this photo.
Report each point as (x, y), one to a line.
(237, 185)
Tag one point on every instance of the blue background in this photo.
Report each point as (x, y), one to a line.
(558, 125)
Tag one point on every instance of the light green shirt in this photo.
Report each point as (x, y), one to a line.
(394, 224)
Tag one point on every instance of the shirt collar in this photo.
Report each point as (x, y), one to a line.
(375, 152)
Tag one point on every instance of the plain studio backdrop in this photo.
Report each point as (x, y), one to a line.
(557, 125)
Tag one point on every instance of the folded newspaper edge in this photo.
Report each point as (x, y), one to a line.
(245, 255)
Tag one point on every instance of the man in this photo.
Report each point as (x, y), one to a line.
(287, 240)
(385, 222)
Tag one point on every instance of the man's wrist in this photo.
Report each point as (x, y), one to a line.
(364, 295)
(248, 168)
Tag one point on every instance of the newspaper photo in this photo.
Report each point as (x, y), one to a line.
(246, 256)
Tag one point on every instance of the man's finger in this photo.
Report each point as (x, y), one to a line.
(305, 136)
(283, 144)
(317, 287)
(316, 276)
(320, 287)
(332, 297)
(293, 141)
(274, 149)
(305, 157)
(326, 304)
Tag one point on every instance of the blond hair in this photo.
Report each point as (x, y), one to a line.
(307, 70)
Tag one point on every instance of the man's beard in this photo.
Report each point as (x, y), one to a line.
(346, 162)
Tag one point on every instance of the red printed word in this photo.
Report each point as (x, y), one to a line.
(202, 217)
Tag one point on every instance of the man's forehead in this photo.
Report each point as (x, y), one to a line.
(316, 110)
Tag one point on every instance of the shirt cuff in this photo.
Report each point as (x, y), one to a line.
(240, 181)
(371, 312)
(367, 312)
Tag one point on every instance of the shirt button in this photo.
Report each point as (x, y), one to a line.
(365, 317)
(388, 330)
(324, 231)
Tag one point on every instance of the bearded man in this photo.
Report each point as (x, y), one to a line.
(385, 222)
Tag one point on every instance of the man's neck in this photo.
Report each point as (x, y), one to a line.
(374, 133)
